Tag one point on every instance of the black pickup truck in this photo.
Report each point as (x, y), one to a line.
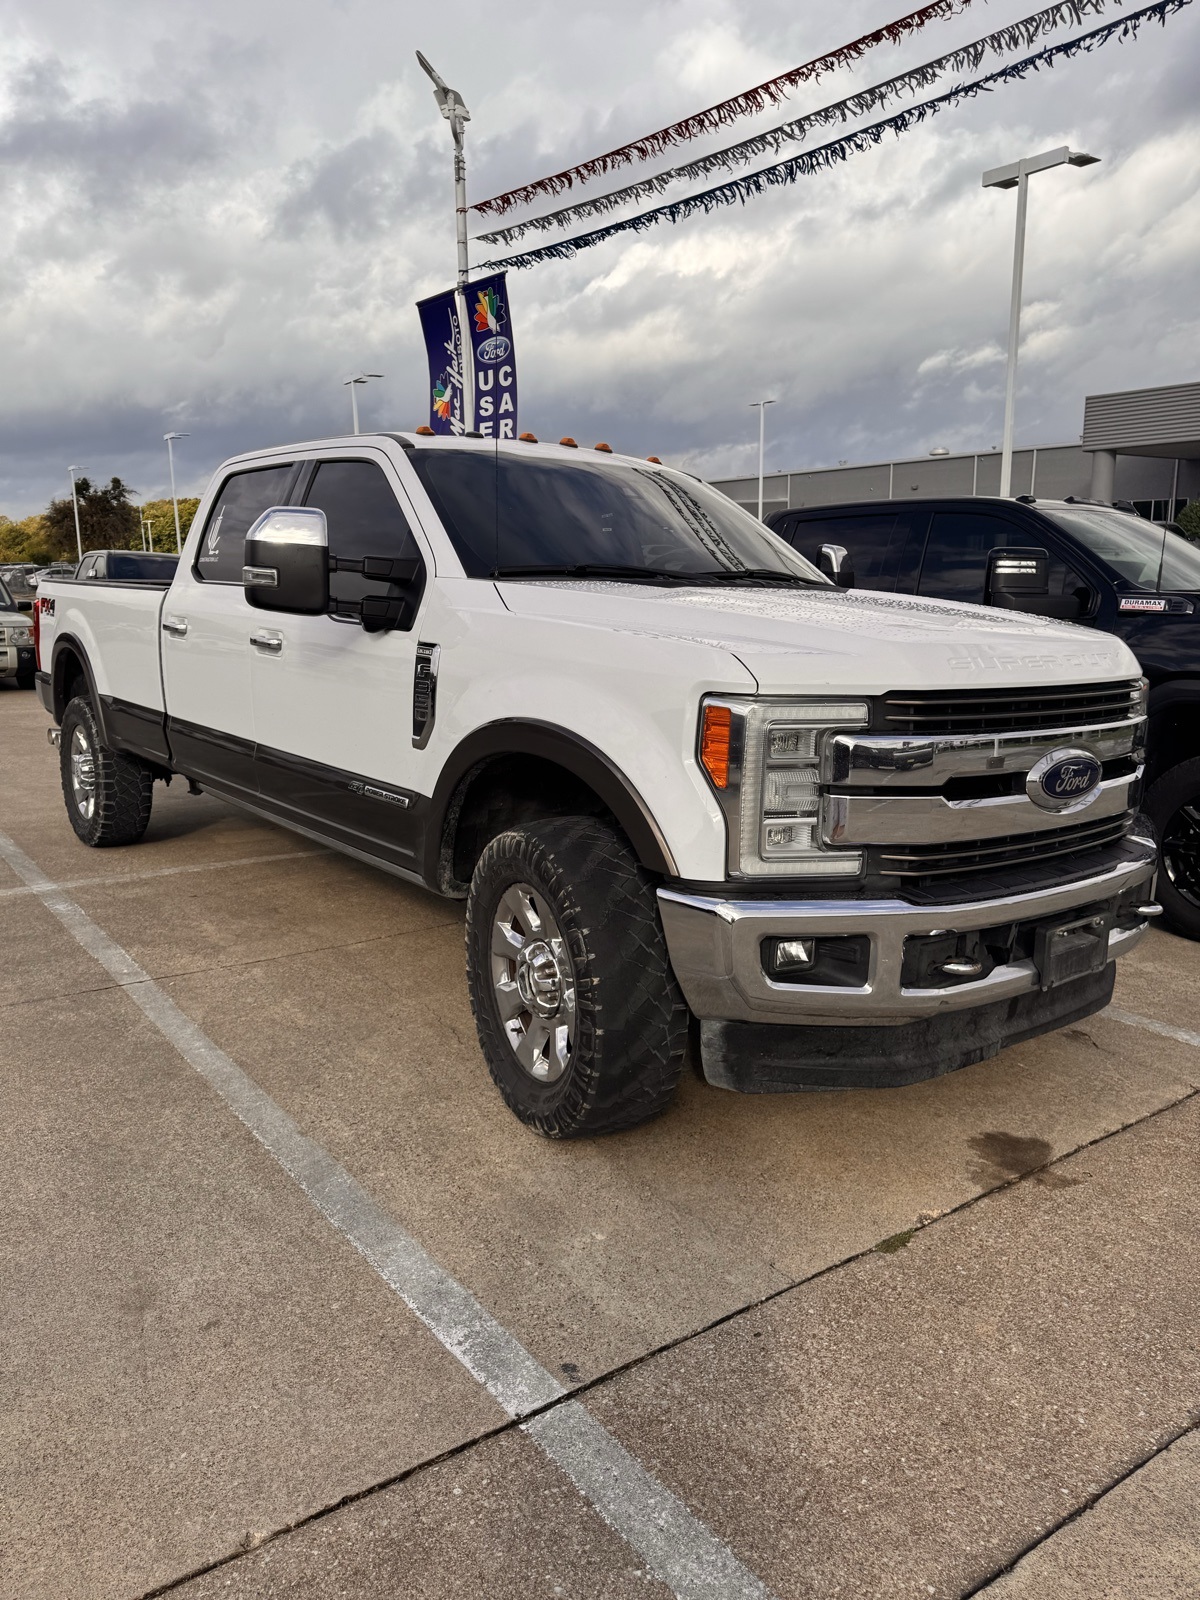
(1079, 561)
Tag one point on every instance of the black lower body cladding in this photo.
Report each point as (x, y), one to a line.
(773, 1058)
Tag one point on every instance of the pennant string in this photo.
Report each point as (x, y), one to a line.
(721, 115)
(967, 58)
(821, 157)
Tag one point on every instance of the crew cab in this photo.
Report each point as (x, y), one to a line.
(685, 784)
(1091, 563)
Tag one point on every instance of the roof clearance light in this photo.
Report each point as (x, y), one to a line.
(567, 439)
(714, 744)
(655, 460)
(528, 438)
(426, 433)
(607, 448)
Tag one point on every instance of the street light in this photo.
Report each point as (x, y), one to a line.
(762, 422)
(453, 108)
(147, 534)
(170, 440)
(71, 471)
(1016, 176)
(352, 384)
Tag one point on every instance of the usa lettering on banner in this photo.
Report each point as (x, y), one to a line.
(489, 327)
(442, 328)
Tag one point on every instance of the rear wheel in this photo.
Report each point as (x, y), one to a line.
(580, 1019)
(107, 794)
(1173, 805)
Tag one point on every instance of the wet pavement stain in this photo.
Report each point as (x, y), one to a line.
(1013, 1155)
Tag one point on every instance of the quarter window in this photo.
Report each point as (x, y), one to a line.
(242, 500)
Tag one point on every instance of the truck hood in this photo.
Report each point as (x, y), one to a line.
(838, 640)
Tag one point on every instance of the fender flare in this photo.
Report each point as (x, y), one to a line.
(63, 643)
(512, 736)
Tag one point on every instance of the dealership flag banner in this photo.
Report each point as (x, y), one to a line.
(489, 327)
(442, 327)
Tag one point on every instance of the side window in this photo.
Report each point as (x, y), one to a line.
(873, 539)
(956, 553)
(365, 520)
(86, 568)
(243, 498)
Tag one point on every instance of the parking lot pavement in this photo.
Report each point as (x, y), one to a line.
(340, 992)
(1141, 1539)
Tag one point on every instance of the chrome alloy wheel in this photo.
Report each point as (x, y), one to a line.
(1180, 849)
(83, 773)
(534, 983)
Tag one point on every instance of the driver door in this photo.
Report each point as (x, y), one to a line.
(333, 704)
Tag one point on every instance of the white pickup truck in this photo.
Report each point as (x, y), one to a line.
(684, 782)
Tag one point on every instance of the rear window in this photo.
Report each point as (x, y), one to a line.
(130, 567)
(243, 498)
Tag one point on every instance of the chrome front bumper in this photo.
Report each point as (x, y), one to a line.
(715, 945)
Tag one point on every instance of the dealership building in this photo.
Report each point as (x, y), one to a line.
(1142, 445)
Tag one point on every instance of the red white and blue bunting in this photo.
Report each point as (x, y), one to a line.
(772, 141)
(721, 115)
(822, 157)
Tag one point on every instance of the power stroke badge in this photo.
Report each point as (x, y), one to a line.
(1064, 780)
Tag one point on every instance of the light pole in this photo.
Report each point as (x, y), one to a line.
(71, 471)
(1016, 175)
(452, 107)
(170, 440)
(762, 426)
(352, 384)
(147, 534)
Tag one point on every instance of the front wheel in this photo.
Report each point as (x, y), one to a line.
(580, 1019)
(1173, 805)
(107, 794)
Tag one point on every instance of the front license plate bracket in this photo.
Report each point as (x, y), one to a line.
(1063, 951)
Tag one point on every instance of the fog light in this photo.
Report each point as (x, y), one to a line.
(793, 953)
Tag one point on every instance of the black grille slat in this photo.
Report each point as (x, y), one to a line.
(990, 855)
(1000, 711)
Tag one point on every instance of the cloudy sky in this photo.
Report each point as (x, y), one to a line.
(212, 213)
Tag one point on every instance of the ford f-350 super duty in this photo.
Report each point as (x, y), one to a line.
(684, 783)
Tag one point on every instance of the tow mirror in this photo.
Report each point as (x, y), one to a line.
(1015, 577)
(287, 561)
(834, 561)
(24, 605)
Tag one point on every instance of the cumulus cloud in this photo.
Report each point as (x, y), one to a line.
(214, 212)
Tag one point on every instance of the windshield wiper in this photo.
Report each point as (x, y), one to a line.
(596, 570)
(759, 575)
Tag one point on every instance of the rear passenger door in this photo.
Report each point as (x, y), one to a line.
(333, 704)
(874, 540)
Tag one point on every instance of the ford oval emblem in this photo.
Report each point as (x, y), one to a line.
(1064, 780)
(495, 348)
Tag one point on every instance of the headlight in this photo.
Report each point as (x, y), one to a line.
(763, 760)
(18, 635)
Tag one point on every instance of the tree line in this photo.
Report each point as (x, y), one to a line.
(108, 520)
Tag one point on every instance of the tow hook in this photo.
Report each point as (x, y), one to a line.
(54, 737)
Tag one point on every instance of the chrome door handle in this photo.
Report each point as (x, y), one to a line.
(272, 643)
(175, 626)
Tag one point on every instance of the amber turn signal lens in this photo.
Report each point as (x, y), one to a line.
(714, 744)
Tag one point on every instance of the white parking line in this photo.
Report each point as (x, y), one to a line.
(166, 872)
(1163, 1029)
(677, 1548)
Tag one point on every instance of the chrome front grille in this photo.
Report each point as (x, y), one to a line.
(978, 711)
(998, 855)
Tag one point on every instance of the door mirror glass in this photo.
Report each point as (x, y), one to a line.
(24, 605)
(834, 561)
(1016, 575)
(287, 561)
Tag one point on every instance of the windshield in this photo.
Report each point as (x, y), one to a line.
(509, 514)
(7, 603)
(1131, 547)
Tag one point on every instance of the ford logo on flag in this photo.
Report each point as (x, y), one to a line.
(495, 348)
(1064, 780)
